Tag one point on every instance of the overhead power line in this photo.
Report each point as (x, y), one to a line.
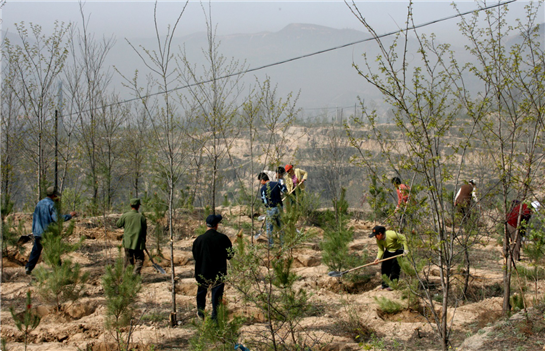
(249, 70)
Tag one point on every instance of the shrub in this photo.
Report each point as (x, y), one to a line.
(388, 306)
(337, 237)
(60, 281)
(121, 288)
(27, 321)
(219, 334)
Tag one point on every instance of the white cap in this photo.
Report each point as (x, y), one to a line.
(536, 205)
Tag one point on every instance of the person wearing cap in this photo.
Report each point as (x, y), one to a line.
(390, 243)
(271, 196)
(518, 217)
(211, 251)
(134, 236)
(294, 178)
(465, 197)
(45, 213)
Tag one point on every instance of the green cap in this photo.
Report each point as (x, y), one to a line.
(135, 202)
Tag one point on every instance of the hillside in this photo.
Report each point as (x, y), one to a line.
(344, 313)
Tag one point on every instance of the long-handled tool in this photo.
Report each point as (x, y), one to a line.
(158, 268)
(291, 192)
(339, 274)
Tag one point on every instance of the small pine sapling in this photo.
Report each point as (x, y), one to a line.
(61, 281)
(388, 306)
(264, 277)
(155, 209)
(26, 321)
(219, 334)
(121, 288)
(337, 237)
(10, 236)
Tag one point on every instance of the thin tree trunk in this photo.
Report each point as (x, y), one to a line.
(173, 317)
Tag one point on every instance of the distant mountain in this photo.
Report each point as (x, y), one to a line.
(328, 79)
(325, 80)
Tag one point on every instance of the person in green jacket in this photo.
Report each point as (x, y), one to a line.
(134, 236)
(389, 244)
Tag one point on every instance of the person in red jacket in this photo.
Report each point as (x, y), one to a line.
(403, 192)
(518, 217)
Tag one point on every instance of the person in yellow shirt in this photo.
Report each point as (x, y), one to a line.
(294, 179)
(389, 244)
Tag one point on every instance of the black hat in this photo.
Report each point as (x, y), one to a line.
(377, 230)
(213, 220)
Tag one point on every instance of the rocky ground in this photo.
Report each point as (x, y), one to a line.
(345, 315)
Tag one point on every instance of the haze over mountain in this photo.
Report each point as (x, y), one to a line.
(328, 80)
(325, 80)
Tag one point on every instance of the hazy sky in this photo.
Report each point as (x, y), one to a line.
(135, 18)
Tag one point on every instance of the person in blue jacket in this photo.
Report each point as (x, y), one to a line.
(45, 213)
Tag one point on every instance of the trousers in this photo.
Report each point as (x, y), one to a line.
(134, 258)
(391, 267)
(217, 294)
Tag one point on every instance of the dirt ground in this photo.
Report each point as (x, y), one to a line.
(346, 315)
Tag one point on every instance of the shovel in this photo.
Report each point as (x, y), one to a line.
(339, 274)
(158, 268)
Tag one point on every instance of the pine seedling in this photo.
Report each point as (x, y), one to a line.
(10, 236)
(28, 321)
(121, 288)
(60, 282)
(155, 209)
(219, 334)
(337, 237)
(388, 306)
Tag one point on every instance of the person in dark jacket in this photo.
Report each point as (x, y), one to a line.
(211, 251)
(134, 236)
(45, 213)
(271, 195)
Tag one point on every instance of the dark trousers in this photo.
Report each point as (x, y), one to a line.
(134, 258)
(391, 267)
(516, 240)
(34, 254)
(217, 294)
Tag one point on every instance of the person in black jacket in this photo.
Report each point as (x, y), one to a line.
(211, 251)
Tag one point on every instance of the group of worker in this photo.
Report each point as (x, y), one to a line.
(212, 249)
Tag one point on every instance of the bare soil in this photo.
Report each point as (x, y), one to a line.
(345, 314)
